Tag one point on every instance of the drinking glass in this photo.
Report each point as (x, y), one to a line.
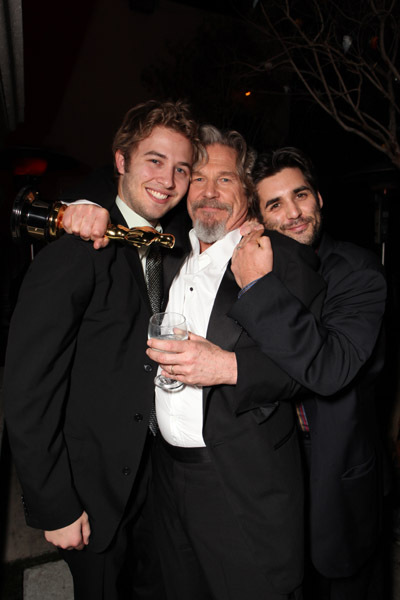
(168, 326)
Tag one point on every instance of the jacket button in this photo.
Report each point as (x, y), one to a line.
(148, 368)
(138, 417)
(126, 471)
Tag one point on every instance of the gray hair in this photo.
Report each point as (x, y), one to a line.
(246, 156)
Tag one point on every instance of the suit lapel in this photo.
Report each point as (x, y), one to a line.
(172, 262)
(132, 257)
(116, 216)
(222, 330)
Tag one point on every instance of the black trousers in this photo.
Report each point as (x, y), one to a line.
(203, 553)
(366, 584)
(129, 568)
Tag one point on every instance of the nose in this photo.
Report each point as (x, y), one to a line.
(293, 210)
(166, 177)
(210, 190)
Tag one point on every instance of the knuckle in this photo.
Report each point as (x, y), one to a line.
(95, 233)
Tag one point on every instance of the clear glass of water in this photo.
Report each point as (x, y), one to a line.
(168, 326)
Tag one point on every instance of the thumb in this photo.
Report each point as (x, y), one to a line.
(86, 530)
(250, 226)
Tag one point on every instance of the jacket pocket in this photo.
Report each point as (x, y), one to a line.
(359, 471)
(262, 413)
(285, 439)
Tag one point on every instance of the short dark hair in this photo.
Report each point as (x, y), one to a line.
(246, 156)
(139, 122)
(271, 163)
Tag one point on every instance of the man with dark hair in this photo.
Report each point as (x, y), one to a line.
(337, 357)
(78, 385)
(227, 477)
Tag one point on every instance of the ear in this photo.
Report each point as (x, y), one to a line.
(320, 201)
(120, 162)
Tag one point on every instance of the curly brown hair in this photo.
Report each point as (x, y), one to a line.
(140, 121)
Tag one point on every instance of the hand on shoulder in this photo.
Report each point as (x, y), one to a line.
(89, 221)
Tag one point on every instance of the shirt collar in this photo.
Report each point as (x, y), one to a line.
(132, 218)
(221, 251)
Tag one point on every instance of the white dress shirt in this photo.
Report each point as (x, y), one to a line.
(192, 293)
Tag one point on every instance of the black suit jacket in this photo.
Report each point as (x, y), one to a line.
(78, 384)
(250, 429)
(338, 359)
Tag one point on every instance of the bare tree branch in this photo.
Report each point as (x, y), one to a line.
(345, 55)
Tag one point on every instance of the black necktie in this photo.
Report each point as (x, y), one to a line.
(155, 291)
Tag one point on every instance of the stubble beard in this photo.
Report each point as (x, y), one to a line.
(311, 238)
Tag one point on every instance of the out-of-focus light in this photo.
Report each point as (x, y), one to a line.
(30, 166)
(373, 42)
(247, 93)
(346, 43)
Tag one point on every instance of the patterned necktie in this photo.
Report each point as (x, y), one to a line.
(154, 277)
(155, 291)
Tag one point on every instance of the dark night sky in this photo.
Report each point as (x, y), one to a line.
(84, 67)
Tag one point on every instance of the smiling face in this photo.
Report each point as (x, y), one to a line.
(157, 176)
(217, 202)
(289, 206)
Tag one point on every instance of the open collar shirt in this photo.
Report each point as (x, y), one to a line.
(192, 293)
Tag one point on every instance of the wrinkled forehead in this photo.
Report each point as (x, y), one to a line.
(218, 156)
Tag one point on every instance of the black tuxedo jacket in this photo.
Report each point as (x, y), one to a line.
(250, 428)
(338, 359)
(78, 384)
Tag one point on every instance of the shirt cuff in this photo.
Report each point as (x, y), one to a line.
(80, 201)
(247, 287)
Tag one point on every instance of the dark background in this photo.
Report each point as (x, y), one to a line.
(86, 63)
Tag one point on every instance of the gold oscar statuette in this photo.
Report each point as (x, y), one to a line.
(36, 218)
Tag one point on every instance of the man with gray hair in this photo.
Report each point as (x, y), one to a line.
(226, 470)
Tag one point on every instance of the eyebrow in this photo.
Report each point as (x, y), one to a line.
(220, 174)
(154, 153)
(231, 173)
(301, 188)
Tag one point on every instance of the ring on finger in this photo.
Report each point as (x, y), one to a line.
(172, 370)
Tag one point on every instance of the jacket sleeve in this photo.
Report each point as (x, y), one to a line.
(322, 355)
(261, 380)
(261, 383)
(42, 339)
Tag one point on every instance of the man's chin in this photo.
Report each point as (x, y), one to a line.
(209, 232)
(302, 238)
(308, 238)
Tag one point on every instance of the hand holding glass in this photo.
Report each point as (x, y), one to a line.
(168, 326)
